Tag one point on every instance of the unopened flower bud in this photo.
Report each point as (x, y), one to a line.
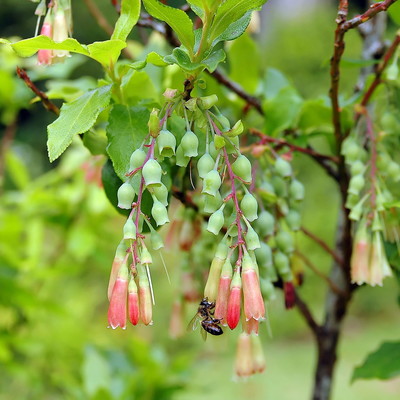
(159, 213)
(117, 308)
(211, 288)
(156, 240)
(154, 123)
(212, 203)
(152, 173)
(293, 219)
(249, 207)
(212, 183)
(252, 239)
(356, 184)
(190, 144)
(242, 168)
(181, 159)
(125, 195)
(357, 167)
(224, 122)
(221, 305)
(393, 170)
(207, 102)
(265, 223)
(166, 142)
(351, 150)
(216, 222)
(283, 167)
(119, 258)
(145, 256)
(161, 194)
(284, 241)
(145, 304)
(290, 295)
(280, 186)
(360, 256)
(137, 159)
(235, 296)
(253, 301)
(264, 260)
(296, 190)
(133, 302)
(281, 262)
(129, 229)
(205, 165)
(44, 55)
(244, 356)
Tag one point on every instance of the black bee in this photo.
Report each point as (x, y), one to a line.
(205, 314)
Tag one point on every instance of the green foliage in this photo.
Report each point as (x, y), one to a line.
(384, 363)
(130, 11)
(75, 118)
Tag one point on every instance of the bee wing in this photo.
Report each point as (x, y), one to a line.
(194, 323)
(203, 334)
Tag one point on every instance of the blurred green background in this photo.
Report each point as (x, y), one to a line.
(58, 234)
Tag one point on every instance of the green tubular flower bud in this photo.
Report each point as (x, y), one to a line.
(156, 240)
(125, 195)
(296, 190)
(190, 144)
(216, 222)
(137, 159)
(265, 223)
(356, 184)
(236, 130)
(267, 289)
(219, 142)
(242, 168)
(249, 207)
(161, 193)
(283, 168)
(252, 239)
(376, 223)
(393, 170)
(232, 145)
(152, 173)
(213, 150)
(293, 219)
(129, 229)
(154, 123)
(280, 186)
(212, 183)
(166, 142)
(224, 122)
(264, 256)
(222, 250)
(283, 206)
(357, 167)
(267, 192)
(281, 262)
(207, 102)
(159, 213)
(212, 203)
(181, 159)
(284, 241)
(205, 165)
(351, 150)
(145, 256)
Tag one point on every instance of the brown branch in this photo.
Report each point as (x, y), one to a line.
(313, 268)
(307, 315)
(322, 244)
(321, 159)
(47, 103)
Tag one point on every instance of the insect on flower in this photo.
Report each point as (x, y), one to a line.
(205, 314)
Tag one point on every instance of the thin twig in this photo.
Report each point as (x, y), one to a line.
(47, 103)
(322, 159)
(313, 268)
(322, 244)
(306, 313)
(99, 17)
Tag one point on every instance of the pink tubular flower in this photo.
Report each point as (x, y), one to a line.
(360, 256)
(133, 302)
(379, 267)
(117, 308)
(258, 354)
(244, 356)
(233, 310)
(119, 259)
(44, 56)
(221, 305)
(60, 33)
(252, 297)
(145, 303)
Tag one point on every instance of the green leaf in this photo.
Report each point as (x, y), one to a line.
(383, 363)
(107, 52)
(197, 7)
(235, 29)
(177, 19)
(212, 61)
(244, 63)
(126, 131)
(394, 13)
(103, 52)
(130, 11)
(315, 115)
(152, 58)
(281, 111)
(75, 118)
(229, 12)
(274, 82)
